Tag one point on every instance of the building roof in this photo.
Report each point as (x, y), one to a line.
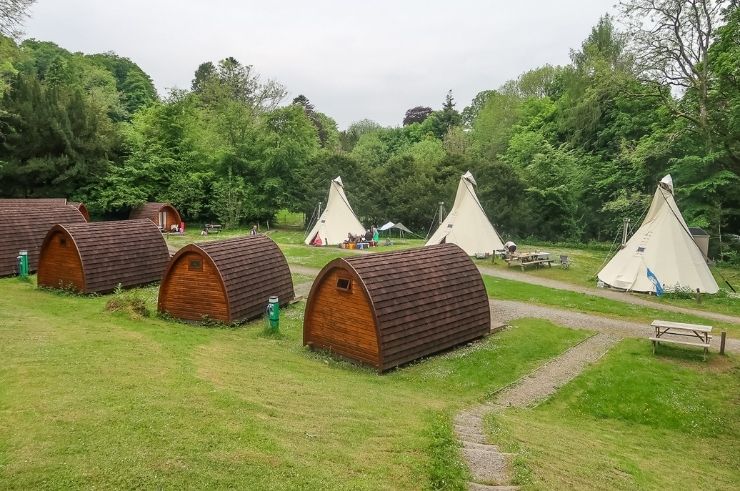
(252, 269)
(44, 202)
(126, 252)
(25, 228)
(33, 201)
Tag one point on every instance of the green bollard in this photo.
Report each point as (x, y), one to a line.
(273, 313)
(23, 264)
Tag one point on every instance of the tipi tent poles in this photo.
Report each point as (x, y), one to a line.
(314, 218)
(434, 218)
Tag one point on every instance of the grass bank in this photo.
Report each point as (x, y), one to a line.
(580, 302)
(632, 421)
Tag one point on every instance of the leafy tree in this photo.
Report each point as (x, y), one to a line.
(58, 140)
(135, 87)
(203, 74)
(351, 135)
(416, 115)
(471, 112)
(325, 126)
(671, 41)
(447, 118)
(240, 83)
(12, 15)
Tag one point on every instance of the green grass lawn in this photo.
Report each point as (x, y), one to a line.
(291, 243)
(581, 302)
(632, 421)
(90, 398)
(586, 263)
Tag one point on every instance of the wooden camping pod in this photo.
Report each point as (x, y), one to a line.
(83, 209)
(226, 280)
(391, 308)
(44, 202)
(96, 257)
(164, 215)
(24, 228)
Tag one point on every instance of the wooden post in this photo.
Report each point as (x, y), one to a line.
(722, 338)
(698, 296)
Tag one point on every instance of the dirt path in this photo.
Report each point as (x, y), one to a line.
(604, 293)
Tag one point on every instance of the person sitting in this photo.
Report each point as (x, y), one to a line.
(174, 228)
(204, 232)
(510, 247)
(368, 235)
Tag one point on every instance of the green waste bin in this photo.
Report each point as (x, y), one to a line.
(23, 264)
(273, 313)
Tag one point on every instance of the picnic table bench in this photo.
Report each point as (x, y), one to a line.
(213, 228)
(699, 335)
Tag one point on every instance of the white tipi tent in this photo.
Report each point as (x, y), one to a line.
(664, 245)
(337, 220)
(467, 224)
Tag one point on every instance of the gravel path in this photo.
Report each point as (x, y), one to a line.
(543, 382)
(305, 270)
(604, 293)
(302, 289)
(488, 465)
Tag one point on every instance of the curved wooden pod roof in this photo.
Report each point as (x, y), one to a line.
(423, 300)
(80, 206)
(34, 201)
(44, 202)
(125, 252)
(250, 269)
(25, 228)
(151, 211)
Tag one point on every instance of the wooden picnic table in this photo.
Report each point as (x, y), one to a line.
(699, 335)
(530, 258)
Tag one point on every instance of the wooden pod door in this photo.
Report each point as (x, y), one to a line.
(192, 288)
(339, 316)
(60, 265)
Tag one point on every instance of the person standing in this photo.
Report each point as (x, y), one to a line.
(254, 230)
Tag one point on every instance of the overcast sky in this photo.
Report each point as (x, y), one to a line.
(352, 59)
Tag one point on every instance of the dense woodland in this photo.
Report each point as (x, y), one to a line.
(559, 153)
